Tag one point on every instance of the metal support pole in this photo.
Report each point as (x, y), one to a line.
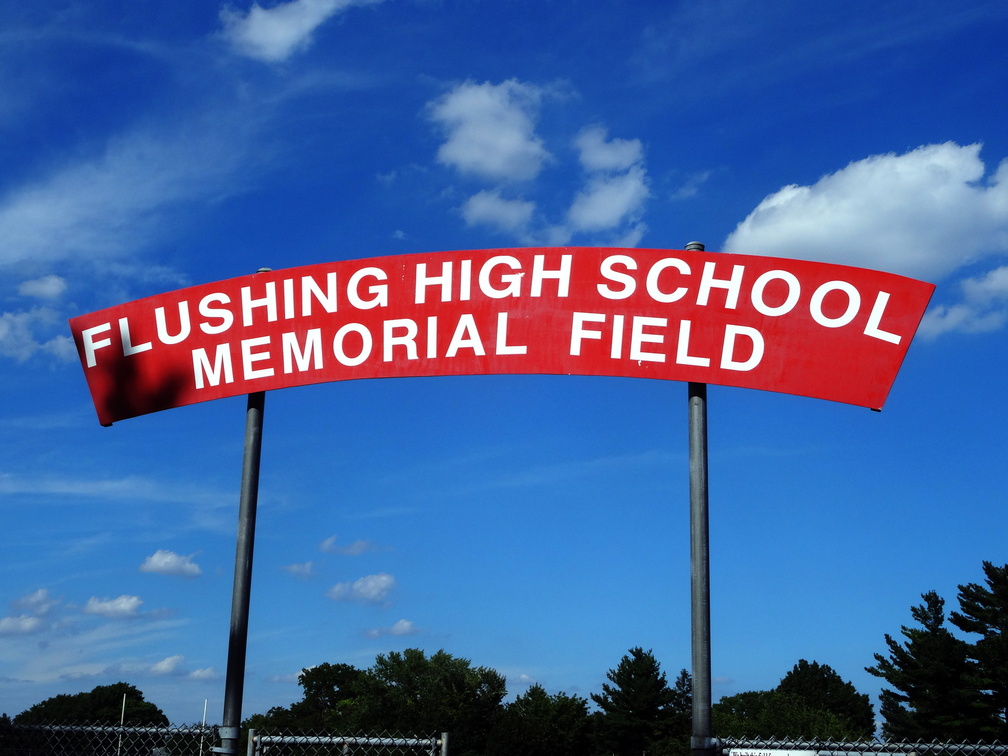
(234, 684)
(702, 741)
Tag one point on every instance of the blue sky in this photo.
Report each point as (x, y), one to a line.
(537, 525)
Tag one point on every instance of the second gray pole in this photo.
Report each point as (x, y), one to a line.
(702, 741)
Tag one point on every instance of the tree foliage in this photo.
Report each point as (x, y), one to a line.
(403, 693)
(811, 702)
(539, 724)
(934, 682)
(776, 714)
(101, 706)
(983, 611)
(639, 710)
(818, 686)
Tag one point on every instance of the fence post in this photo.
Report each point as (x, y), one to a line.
(444, 744)
(252, 742)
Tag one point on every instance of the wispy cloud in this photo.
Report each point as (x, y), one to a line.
(46, 287)
(401, 628)
(274, 34)
(331, 546)
(302, 570)
(20, 336)
(984, 307)
(21, 625)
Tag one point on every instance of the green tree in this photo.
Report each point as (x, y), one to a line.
(983, 611)
(102, 705)
(538, 724)
(412, 693)
(819, 686)
(636, 710)
(935, 685)
(776, 714)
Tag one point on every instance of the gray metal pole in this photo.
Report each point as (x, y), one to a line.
(702, 741)
(234, 684)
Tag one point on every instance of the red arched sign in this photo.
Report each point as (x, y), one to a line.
(814, 329)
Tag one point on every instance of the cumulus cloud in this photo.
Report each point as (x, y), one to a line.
(490, 130)
(489, 208)
(924, 214)
(371, 589)
(165, 562)
(598, 153)
(609, 201)
(169, 666)
(122, 607)
(490, 135)
(927, 213)
(274, 34)
(400, 628)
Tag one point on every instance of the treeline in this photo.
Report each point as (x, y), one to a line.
(938, 687)
(409, 692)
(638, 711)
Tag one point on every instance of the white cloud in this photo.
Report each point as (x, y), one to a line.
(401, 628)
(121, 607)
(597, 153)
(356, 548)
(19, 335)
(984, 307)
(303, 570)
(609, 201)
(37, 603)
(924, 214)
(165, 562)
(274, 34)
(110, 205)
(491, 130)
(207, 673)
(46, 287)
(169, 666)
(21, 625)
(490, 209)
(491, 135)
(371, 589)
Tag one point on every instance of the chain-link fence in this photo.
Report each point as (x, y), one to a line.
(111, 740)
(743, 747)
(264, 744)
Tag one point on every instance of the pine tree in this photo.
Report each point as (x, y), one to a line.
(936, 695)
(637, 706)
(984, 611)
